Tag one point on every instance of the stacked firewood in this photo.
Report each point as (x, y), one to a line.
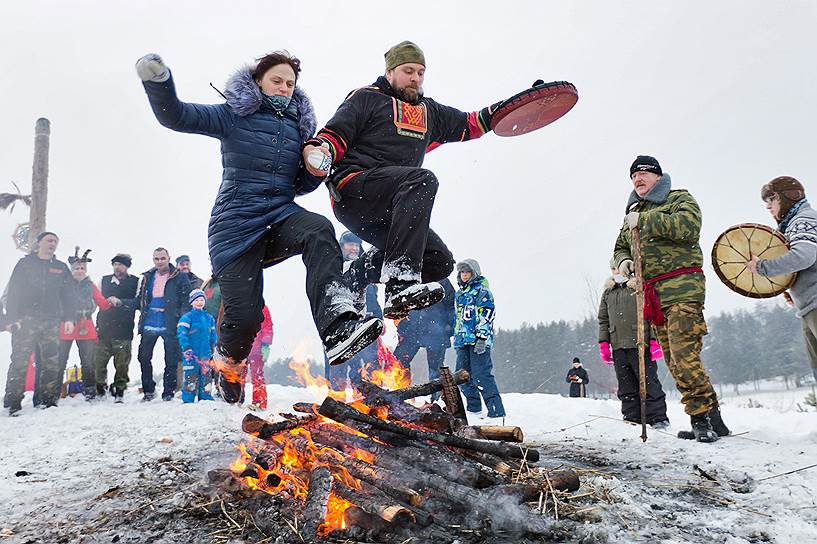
(381, 466)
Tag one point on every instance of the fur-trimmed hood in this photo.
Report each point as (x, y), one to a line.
(244, 98)
(658, 194)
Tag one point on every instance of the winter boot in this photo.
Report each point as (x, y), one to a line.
(14, 410)
(101, 389)
(230, 381)
(717, 422)
(190, 381)
(661, 425)
(118, 395)
(701, 429)
(349, 337)
(403, 296)
(147, 397)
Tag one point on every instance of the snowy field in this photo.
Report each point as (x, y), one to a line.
(81, 463)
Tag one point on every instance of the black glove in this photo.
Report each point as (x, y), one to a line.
(538, 82)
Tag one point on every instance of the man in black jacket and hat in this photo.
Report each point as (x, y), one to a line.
(41, 294)
(115, 327)
(376, 142)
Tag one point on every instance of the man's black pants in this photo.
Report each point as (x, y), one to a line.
(173, 355)
(390, 207)
(242, 282)
(625, 362)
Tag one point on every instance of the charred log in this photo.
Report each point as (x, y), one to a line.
(263, 429)
(317, 501)
(388, 510)
(343, 413)
(418, 390)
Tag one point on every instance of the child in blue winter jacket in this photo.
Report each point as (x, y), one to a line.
(197, 337)
(473, 337)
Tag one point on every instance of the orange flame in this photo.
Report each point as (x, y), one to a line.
(297, 455)
(392, 374)
(334, 515)
(232, 372)
(318, 386)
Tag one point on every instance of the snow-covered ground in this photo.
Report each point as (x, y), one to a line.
(76, 458)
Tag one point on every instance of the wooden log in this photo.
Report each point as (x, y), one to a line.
(403, 411)
(496, 432)
(529, 491)
(343, 412)
(421, 517)
(263, 429)
(305, 407)
(374, 525)
(317, 502)
(430, 460)
(388, 510)
(383, 479)
(420, 390)
(39, 180)
(505, 467)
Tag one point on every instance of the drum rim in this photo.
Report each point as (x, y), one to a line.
(727, 282)
(521, 99)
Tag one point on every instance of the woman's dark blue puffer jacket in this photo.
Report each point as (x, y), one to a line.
(260, 153)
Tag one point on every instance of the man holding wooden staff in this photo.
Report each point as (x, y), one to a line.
(669, 222)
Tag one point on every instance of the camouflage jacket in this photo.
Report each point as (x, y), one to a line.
(670, 224)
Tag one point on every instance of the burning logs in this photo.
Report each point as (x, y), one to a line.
(343, 412)
(419, 390)
(317, 501)
(263, 429)
(388, 510)
(381, 466)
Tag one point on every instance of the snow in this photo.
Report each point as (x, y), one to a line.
(77, 451)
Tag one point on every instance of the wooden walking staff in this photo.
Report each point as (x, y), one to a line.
(639, 304)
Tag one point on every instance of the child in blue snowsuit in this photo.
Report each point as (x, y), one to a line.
(197, 337)
(473, 337)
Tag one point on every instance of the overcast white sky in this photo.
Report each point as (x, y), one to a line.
(722, 93)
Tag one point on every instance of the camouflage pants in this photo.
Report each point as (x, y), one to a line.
(44, 334)
(120, 350)
(681, 338)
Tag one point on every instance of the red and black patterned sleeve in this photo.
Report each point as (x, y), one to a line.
(452, 125)
(342, 129)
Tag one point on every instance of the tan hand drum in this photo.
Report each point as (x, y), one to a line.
(736, 246)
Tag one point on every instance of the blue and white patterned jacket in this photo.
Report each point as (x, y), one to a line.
(475, 313)
(801, 231)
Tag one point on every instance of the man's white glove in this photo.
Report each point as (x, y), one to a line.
(152, 68)
(632, 220)
(578, 380)
(626, 268)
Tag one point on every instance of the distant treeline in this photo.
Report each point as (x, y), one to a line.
(742, 346)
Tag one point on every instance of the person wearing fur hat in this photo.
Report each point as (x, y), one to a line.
(255, 222)
(196, 332)
(618, 346)
(473, 338)
(41, 304)
(89, 297)
(669, 221)
(376, 143)
(115, 327)
(785, 199)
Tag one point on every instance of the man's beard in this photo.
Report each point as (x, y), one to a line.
(409, 94)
